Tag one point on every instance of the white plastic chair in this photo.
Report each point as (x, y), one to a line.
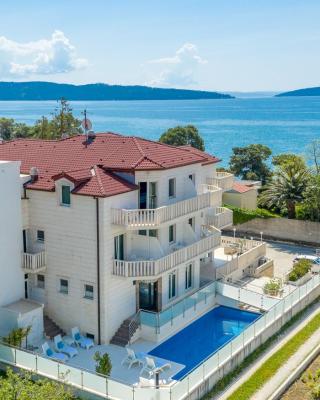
(132, 358)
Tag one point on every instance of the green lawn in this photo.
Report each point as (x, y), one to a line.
(242, 215)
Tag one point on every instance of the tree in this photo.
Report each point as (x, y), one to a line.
(14, 386)
(286, 188)
(42, 129)
(103, 363)
(6, 128)
(310, 208)
(183, 135)
(63, 121)
(313, 154)
(249, 162)
(288, 158)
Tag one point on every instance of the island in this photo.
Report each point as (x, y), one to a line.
(314, 91)
(98, 91)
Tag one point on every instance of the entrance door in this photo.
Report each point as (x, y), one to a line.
(148, 296)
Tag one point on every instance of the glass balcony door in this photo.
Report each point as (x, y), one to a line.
(119, 247)
(148, 296)
(147, 195)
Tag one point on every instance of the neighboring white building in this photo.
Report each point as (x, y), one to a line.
(12, 287)
(15, 310)
(109, 226)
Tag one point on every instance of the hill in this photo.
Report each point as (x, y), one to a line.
(314, 91)
(98, 91)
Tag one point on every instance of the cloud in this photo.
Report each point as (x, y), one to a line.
(42, 57)
(178, 70)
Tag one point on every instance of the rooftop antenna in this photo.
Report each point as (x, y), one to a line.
(86, 124)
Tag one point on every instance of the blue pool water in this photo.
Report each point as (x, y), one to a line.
(203, 337)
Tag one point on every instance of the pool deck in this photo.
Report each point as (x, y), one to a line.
(84, 360)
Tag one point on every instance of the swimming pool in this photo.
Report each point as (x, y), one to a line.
(203, 337)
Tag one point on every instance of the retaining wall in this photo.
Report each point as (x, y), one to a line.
(282, 228)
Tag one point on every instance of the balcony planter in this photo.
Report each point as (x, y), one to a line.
(302, 280)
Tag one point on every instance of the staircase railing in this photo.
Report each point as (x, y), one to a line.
(134, 324)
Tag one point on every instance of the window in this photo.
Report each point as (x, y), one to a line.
(172, 187)
(172, 233)
(88, 292)
(64, 286)
(172, 285)
(65, 195)
(40, 281)
(191, 222)
(40, 236)
(90, 335)
(153, 233)
(188, 276)
(192, 178)
(150, 232)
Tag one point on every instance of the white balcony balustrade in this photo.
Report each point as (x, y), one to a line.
(223, 180)
(151, 268)
(221, 217)
(147, 218)
(34, 262)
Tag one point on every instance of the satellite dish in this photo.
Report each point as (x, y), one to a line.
(86, 124)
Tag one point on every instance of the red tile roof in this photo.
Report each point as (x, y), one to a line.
(241, 188)
(77, 160)
(208, 158)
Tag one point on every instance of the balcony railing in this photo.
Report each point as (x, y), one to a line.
(221, 218)
(140, 218)
(152, 268)
(34, 263)
(223, 180)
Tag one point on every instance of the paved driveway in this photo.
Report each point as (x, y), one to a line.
(284, 253)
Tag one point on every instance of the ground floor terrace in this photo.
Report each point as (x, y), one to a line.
(210, 332)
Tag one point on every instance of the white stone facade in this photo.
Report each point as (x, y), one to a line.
(70, 244)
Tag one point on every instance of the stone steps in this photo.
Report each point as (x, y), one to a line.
(51, 329)
(122, 336)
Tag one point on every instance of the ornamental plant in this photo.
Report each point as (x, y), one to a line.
(103, 363)
(273, 287)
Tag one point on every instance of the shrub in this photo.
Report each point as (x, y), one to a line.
(300, 268)
(313, 382)
(103, 363)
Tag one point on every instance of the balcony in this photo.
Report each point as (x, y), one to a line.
(152, 218)
(34, 262)
(152, 268)
(221, 217)
(223, 180)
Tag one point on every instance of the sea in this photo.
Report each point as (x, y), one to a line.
(285, 124)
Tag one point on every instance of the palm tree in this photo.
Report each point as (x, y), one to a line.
(286, 188)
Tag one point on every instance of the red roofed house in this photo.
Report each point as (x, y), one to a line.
(113, 225)
(243, 194)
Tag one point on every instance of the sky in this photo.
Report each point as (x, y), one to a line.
(225, 45)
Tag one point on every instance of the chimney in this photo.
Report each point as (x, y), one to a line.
(34, 173)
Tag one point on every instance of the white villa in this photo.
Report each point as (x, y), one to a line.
(119, 236)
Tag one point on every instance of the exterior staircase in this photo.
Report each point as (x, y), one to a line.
(125, 332)
(51, 329)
